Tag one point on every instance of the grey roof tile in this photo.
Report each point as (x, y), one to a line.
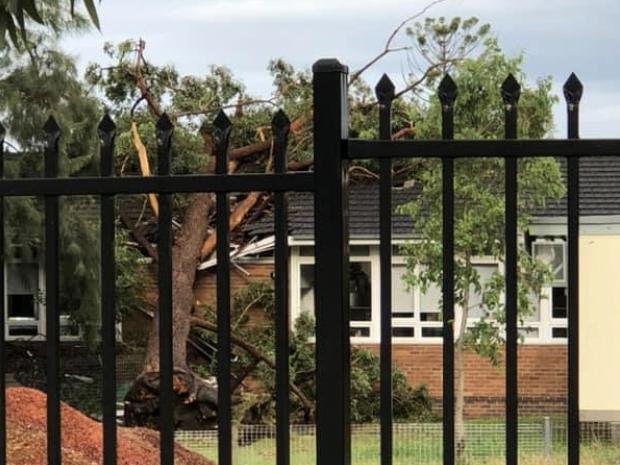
(599, 186)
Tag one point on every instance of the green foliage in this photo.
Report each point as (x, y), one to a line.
(252, 320)
(20, 18)
(443, 44)
(479, 194)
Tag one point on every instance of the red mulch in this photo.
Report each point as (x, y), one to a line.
(81, 436)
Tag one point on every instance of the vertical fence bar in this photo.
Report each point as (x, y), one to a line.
(385, 94)
(332, 264)
(573, 91)
(447, 96)
(221, 135)
(280, 129)
(2, 314)
(52, 135)
(510, 95)
(164, 245)
(107, 134)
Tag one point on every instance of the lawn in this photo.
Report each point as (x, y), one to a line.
(414, 445)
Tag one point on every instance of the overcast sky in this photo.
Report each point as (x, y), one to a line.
(557, 37)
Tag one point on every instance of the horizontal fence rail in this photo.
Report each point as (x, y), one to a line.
(181, 184)
(367, 149)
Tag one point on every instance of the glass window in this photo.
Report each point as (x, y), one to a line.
(476, 309)
(529, 333)
(535, 304)
(359, 291)
(22, 290)
(559, 302)
(359, 332)
(559, 333)
(403, 331)
(403, 303)
(430, 303)
(432, 332)
(360, 297)
(306, 251)
(553, 254)
(306, 288)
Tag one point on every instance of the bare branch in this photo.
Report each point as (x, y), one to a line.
(424, 76)
(207, 111)
(387, 49)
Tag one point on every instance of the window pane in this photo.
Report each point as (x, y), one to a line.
(535, 303)
(475, 298)
(21, 306)
(306, 251)
(432, 332)
(559, 303)
(559, 333)
(69, 329)
(359, 332)
(361, 314)
(529, 332)
(359, 291)
(22, 287)
(402, 299)
(23, 330)
(401, 331)
(430, 303)
(22, 278)
(552, 255)
(306, 288)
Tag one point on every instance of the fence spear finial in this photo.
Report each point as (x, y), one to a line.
(447, 91)
(280, 121)
(573, 89)
(385, 90)
(511, 90)
(106, 128)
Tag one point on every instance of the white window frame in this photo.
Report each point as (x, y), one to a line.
(41, 310)
(295, 282)
(544, 325)
(546, 304)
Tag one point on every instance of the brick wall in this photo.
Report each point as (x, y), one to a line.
(206, 282)
(542, 378)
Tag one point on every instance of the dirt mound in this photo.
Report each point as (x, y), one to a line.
(81, 436)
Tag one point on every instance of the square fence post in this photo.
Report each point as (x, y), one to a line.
(332, 262)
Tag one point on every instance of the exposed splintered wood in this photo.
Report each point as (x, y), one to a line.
(238, 215)
(195, 403)
(145, 168)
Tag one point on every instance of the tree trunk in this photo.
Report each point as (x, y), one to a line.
(459, 381)
(185, 252)
(459, 404)
(195, 399)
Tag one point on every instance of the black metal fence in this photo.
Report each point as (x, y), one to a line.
(333, 151)
(328, 182)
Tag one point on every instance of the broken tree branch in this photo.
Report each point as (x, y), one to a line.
(139, 237)
(255, 353)
(143, 158)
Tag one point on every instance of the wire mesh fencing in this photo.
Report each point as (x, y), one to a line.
(540, 441)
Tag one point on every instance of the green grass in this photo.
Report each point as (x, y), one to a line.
(424, 449)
